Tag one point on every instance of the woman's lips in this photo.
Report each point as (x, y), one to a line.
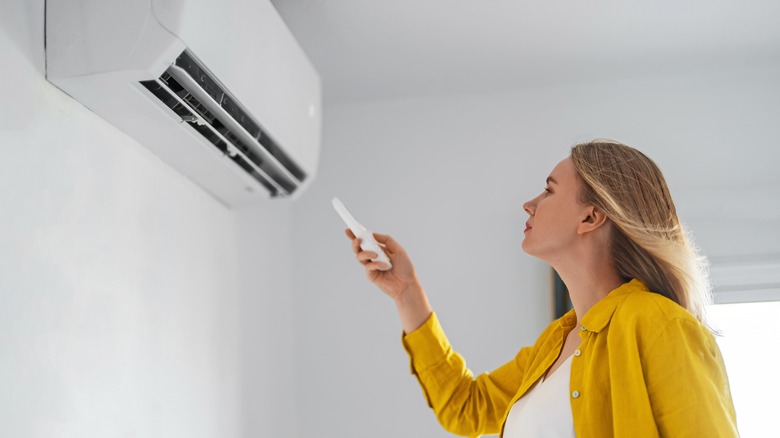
(527, 228)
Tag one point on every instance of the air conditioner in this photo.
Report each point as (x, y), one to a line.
(220, 90)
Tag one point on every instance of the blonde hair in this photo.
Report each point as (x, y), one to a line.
(648, 241)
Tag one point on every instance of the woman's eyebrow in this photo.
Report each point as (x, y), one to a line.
(550, 179)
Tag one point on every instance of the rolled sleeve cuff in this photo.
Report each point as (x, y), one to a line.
(426, 346)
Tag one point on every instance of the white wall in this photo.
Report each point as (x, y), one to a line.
(132, 304)
(447, 177)
(268, 321)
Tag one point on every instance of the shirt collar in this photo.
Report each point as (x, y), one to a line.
(601, 313)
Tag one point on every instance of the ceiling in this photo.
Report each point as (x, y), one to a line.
(368, 50)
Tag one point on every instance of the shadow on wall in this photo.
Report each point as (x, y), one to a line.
(22, 24)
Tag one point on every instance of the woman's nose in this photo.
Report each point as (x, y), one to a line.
(529, 207)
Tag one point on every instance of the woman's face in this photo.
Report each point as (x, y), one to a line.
(555, 214)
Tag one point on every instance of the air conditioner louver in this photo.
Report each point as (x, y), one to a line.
(190, 91)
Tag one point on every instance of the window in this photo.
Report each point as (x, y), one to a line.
(747, 293)
(750, 344)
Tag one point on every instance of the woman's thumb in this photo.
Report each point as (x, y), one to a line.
(386, 240)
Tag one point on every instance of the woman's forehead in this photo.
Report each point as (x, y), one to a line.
(563, 171)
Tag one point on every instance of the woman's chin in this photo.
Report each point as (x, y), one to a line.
(526, 247)
(531, 251)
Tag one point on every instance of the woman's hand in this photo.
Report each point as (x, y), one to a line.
(399, 283)
(395, 281)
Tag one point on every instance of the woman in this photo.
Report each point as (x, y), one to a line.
(633, 358)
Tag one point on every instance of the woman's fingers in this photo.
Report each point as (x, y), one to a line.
(376, 266)
(365, 256)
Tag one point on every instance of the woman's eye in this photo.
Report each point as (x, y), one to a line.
(547, 189)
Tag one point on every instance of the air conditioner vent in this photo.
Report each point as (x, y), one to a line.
(194, 94)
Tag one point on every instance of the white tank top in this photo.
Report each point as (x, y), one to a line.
(545, 410)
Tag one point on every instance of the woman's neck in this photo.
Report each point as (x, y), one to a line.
(587, 292)
(589, 279)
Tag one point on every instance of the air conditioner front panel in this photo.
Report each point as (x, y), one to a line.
(110, 55)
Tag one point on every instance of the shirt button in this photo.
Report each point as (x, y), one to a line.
(582, 328)
(575, 394)
(577, 352)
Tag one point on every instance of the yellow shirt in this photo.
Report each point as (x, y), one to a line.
(645, 368)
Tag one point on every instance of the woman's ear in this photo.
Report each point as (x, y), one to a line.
(592, 219)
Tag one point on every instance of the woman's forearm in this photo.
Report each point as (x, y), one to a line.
(413, 308)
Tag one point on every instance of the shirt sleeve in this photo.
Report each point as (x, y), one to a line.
(464, 405)
(687, 383)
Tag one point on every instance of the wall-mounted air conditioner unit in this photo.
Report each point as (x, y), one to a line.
(220, 90)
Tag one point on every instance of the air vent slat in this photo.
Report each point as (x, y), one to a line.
(214, 137)
(189, 89)
(196, 71)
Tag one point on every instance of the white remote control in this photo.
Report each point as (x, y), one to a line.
(367, 241)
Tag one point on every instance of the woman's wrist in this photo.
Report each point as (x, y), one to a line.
(413, 307)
